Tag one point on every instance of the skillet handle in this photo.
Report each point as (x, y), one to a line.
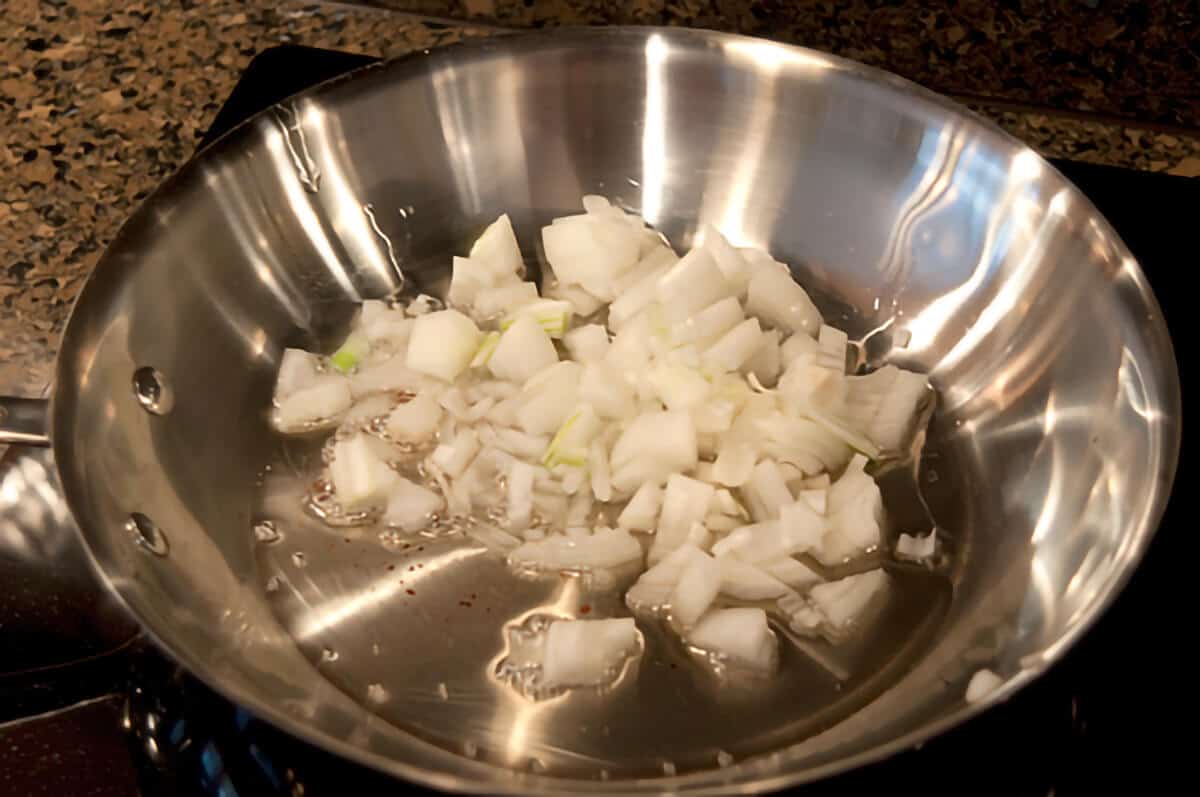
(24, 421)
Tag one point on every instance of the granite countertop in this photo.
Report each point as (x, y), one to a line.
(100, 101)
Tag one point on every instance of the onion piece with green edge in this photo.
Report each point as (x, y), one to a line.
(524, 350)
(549, 397)
(569, 446)
(352, 352)
(550, 314)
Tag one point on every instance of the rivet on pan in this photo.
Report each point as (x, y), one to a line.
(152, 391)
(147, 535)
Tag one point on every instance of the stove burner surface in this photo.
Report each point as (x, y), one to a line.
(87, 707)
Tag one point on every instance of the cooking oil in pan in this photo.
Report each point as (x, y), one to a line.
(422, 626)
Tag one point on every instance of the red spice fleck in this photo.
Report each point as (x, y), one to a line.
(465, 603)
(584, 609)
(391, 567)
(410, 592)
(346, 539)
(421, 565)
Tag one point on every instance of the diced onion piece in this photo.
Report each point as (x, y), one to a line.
(590, 251)
(360, 478)
(794, 574)
(817, 499)
(834, 606)
(582, 303)
(549, 397)
(698, 586)
(606, 391)
(855, 516)
(740, 635)
(352, 351)
(388, 376)
(570, 444)
(685, 502)
(587, 652)
(587, 344)
(917, 548)
(415, 420)
(734, 464)
(662, 442)
(709, 324)
(551, 314)
(467, 279)
(523, 351)
(442, 344)
(884, 405)
(804, 526)
(454, 457)
(297, 370)
(638, 296)
(579, 507)
(767, 362)
(735, 348)
(832, 352)
(605, 549)
(982, 684)
(367, 410)
(520, 444)
(747, 582)
(796, 346)
(653, 589)
(497, 300)
(641, 513)
(497, 247)
(520, 494)
(766, 492)
(692, 284)
(778, 300)
(409, 505)
(487, 347)
(599, 472)
(731, 262)
(678, 387)
(713, 416)
(319, 404)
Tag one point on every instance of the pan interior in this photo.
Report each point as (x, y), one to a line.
(935, 241)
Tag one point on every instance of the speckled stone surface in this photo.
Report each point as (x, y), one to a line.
(100, 101)
(1131, 58)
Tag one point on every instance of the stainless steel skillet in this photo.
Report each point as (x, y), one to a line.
(947, 246)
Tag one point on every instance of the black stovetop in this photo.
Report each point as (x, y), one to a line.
(126, 721)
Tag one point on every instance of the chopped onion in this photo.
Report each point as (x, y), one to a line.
(494, 301)
(778, 300)
(442, 344)
(917, 548)
(641, 513)
(685, 502)
(587, 652)
(834, 606)
(735, 348)
(739, 635)
(454, 457)
(982, 684)
(698, 586)
(692, 284)
(352, 351)
(360, 479)
(605, 549)
(606, 391)
(794, 574)
(747, 582)
(709, 324)
(415, 420)
(409, 505)
(389, 376)
(524, 350)
(520, 494)
(319, 404)
(549, 397)
(766, 491)
(570, 444)
(550, 314)
(638, 296)
(587, 344)
(678, 387)
(598, 470)
(297, 370)
(733, 265)
(497, 247)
